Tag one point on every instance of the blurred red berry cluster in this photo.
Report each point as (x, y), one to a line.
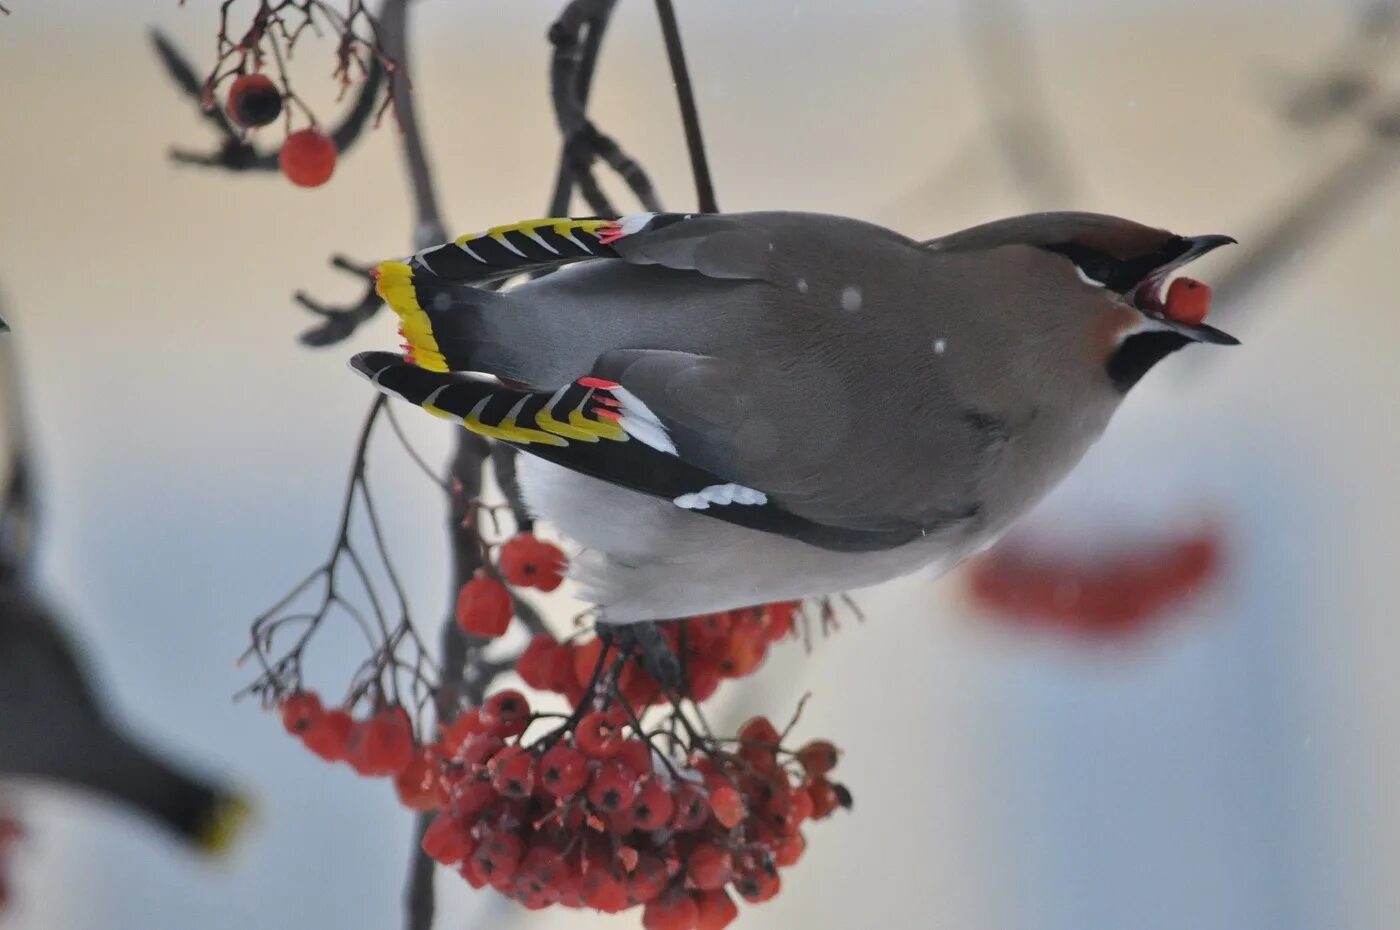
(307, 157)
(1112, 598)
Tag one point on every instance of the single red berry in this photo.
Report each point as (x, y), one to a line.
(473, 797)
(586, 658)
(307, 158)
(703, 677)
(513, 772)
(728, 806)
(789, 849)
(779, 619)
(446, 840)
(612, 788)
(635, 755)
(475, 875)
(300, 710)
(253, 100)
(506, 713)
(692, 807)
(647, 879)
(538, 663)
(329, 734)
(818, 757)
(1188, 301)
(528, 562)
(603, 891)
(654, 806)
(824, 798)
(467, 725)
(673, 910)
(381, 745)
(484, 607)
(758, 884)
(741, 655)
(498, 856)
(542, 874)
(598, 735)
(715, 910)
(563, 771)
(479, 749)
(417, 783)
(760, 731)
(709, 867)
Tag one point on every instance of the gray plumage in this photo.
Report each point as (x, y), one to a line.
(917, 395)
(54, 726)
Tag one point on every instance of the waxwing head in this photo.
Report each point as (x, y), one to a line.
(1114, 265)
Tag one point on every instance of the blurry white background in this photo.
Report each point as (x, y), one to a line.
(1232, 769)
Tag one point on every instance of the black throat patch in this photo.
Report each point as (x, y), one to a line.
(1136, 355)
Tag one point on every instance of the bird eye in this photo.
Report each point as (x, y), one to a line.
(1093, 267)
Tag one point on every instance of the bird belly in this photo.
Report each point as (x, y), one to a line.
(642, 558)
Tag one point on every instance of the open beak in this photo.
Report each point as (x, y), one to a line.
(1147, 296)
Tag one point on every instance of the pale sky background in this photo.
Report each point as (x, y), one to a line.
(1233, 771)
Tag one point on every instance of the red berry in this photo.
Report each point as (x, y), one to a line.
(612, 788)
(253, 100)
(299, 710)
(709, 867)
(760, 731)
(506, 712)
(498, 856)
(715, 910)
(381, 745)
(603, 891)
(528, 562)
(467, 725)
(480, 749)
(513, 772)
(586, 659)
(484, 607)
(446, 840)
(474, 797)
(307, 158)
(818, 757)
(692, 807)
(329, 734)
(824, 798)
(1188, 301)
(673, 910)
(741, 655)
(537, 665)
(703, 677)
(598, 735)
(653, 807)
(789, 849)
(728, 806)
(417, 784)
(647, 879)
(563, 771)
(635, 755)
(779, 619)
(542, 874)
(758, 885)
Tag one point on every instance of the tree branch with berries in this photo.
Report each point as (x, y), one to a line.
(624, 796)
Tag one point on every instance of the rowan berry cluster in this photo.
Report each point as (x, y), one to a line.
(603, 814)
(597, 809)
(307, 157)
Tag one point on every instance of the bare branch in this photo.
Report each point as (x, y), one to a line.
(690, 118)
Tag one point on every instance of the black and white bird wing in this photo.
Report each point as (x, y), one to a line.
(712, 452)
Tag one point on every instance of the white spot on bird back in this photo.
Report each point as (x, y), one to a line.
(851, 298)
(801, 285)
(720, 494)
(441, 301)
(940, 346)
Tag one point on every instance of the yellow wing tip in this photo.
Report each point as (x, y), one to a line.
(393, 281)
(226, 823)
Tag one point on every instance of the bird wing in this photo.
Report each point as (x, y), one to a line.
(694, 430)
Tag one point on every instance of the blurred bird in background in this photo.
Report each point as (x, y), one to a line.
(55, 726)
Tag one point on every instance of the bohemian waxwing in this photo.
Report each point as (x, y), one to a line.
(54, 725)
(733, 409)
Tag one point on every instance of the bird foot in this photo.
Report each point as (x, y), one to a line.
(648, 643)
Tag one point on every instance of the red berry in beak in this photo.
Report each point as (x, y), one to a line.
(1188, 301)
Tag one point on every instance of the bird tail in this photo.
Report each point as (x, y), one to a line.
(408, 291)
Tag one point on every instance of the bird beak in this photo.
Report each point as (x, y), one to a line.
(4, 327)
(1147, 295)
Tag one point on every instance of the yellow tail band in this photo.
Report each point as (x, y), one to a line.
(224, 826)
(394, 283)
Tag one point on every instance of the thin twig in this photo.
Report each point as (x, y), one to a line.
(690, 117)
